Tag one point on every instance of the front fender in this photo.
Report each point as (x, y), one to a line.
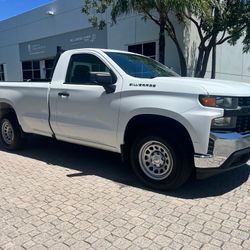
(186, 110)
(160, 112)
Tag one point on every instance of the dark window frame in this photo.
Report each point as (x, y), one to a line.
(134, 48)
(2, 73)
(49, 65)
(33, 69)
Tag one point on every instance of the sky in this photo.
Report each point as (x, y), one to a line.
(9, 8)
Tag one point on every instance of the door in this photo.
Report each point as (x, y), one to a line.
(82, 111)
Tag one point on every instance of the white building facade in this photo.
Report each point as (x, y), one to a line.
(28, 42)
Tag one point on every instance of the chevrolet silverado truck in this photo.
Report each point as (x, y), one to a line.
(167, 127)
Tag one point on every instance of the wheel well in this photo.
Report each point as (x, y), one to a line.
(5, 108)
(145, 122)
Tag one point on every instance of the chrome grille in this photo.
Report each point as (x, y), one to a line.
(243, 122)
(244, 101)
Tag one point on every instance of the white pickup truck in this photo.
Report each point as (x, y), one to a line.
(164, 125)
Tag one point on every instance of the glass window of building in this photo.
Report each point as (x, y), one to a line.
(146, 49)
(49, 64)
(2, 77)
(31, 70)
(37, 70)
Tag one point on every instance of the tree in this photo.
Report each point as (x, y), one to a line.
(159, 11)
(228, 19)
(225, 21)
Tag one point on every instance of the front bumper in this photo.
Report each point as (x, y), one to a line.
(226, 151)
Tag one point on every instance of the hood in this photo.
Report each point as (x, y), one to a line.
(202, 86)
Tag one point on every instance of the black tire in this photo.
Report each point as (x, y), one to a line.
(173, 161)
(13, 140)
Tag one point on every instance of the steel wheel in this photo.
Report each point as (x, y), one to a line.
(156, 160)
(159, 160)
(7, 132)
(10, 132)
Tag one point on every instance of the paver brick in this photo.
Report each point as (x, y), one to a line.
(69, 197)
(122, 243)
(163, 240)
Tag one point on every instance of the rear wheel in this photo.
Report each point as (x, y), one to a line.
(160, 161)
(10, 136)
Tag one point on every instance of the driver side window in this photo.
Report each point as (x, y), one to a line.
(82, 67)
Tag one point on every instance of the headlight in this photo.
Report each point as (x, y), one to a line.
(219, 102)
(222, 102)
(224, 123)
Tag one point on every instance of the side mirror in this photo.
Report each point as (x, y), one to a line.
(104, 79)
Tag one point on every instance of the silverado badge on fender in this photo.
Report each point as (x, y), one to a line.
(142, 85)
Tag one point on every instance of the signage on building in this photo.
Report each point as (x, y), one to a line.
(46, 47)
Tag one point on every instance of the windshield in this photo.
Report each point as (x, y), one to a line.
(140, 66)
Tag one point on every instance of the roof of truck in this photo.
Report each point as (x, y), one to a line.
(103, 50)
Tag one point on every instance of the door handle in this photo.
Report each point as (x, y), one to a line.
(63, 94)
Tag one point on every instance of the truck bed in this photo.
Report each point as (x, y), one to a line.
(30, 100)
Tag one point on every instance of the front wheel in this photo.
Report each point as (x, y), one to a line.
(10, 136)
(160, 161)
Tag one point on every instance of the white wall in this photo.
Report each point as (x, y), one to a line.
(10, 57)
(231, 63)
(133, 30)
(36, 24)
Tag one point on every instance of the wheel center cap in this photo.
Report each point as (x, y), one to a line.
(157, 160)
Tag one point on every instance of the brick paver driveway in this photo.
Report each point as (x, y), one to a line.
(59, 196)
